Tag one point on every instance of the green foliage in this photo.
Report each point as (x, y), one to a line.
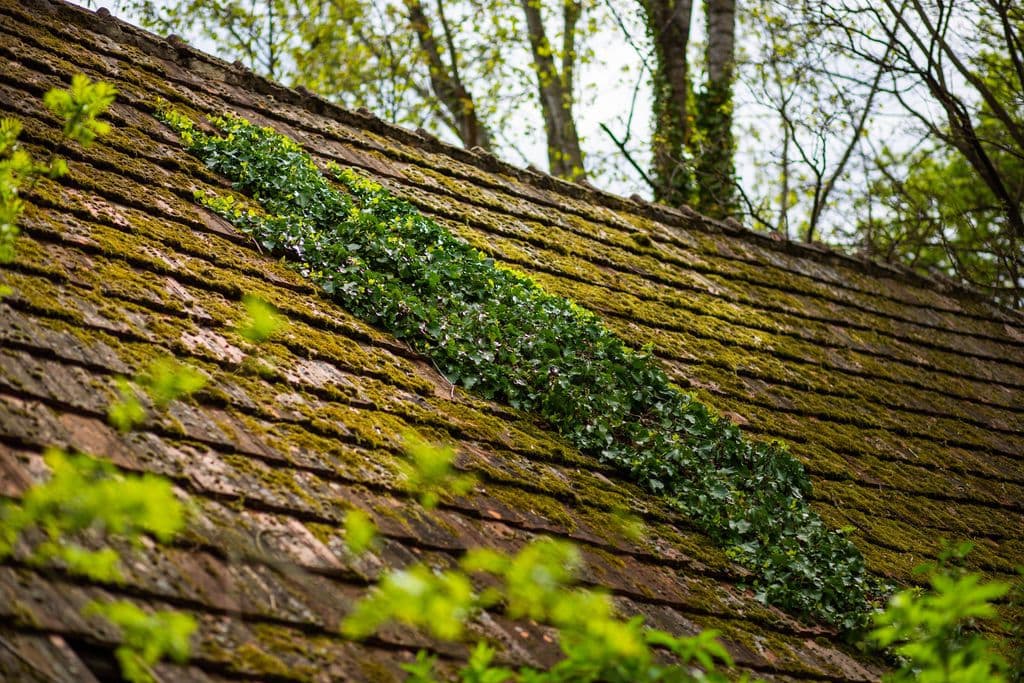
(931, 178)
(146, 638)
(79, 108)
(164, 381)
(430, 473)
(127, 412)
(499, 334)
(941, 216)
(17, 168)
(422, 669)
(360, 531)
(86, 495)
(714, 150)
(534, 579)
(262, 321)
(933, 632)
(536, 583)
(15, 165)
(438, 602)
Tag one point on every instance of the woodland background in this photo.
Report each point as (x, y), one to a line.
(893, 130)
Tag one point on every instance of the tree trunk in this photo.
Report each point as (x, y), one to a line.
(668, 25)
(445, 81)
(565, 158)
(715, 172)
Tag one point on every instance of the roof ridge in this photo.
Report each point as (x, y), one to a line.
(176, 49)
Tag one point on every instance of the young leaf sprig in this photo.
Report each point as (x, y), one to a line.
(79, 109)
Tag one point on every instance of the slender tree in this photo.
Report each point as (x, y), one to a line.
(715, 149)
(692, 141)
(445, 79)
(954, 201)
(668, 28)
(555, 86)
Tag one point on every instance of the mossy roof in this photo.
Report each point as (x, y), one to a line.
(901, 395)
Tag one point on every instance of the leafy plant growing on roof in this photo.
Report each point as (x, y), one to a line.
(83, 495)
(88, 498)
(537, 582)
(147, 637)
(499, 334)
(165, 380)
(429, 471)
(262, 320)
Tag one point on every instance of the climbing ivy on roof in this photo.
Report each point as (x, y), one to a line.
(499, 334)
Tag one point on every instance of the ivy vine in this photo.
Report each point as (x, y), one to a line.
(497, 333)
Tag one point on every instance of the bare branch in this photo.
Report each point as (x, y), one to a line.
(629, 157)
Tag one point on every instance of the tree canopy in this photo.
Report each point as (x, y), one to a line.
(892, 130)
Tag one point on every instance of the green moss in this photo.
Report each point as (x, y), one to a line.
(325, 533)
(558, 514)
(22, 614)
(375, 672)
(317, 651)
(280, 481)
(250, 658)
(642, 239)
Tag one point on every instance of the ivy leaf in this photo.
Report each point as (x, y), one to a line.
(127, 412)
(146, 637)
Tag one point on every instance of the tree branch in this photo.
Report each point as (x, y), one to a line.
(629, 157)
(445, 83)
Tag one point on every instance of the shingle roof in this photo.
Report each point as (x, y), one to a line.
(901, 395)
